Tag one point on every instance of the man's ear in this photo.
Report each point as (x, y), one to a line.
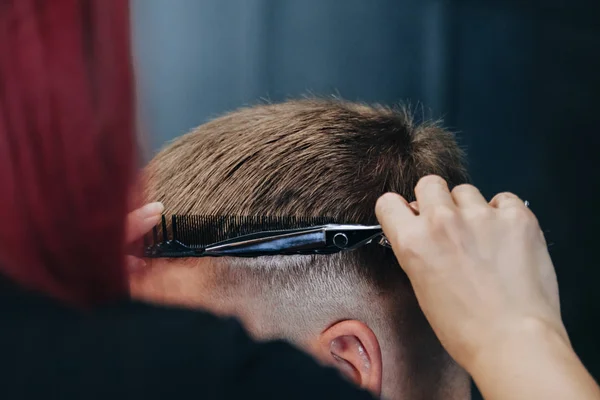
(352, 347)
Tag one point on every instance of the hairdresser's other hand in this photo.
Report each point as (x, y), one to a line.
(481, 271)
(140, 222)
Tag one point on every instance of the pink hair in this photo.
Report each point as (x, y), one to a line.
(66, 146)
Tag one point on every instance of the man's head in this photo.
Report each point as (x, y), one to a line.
(355, 310)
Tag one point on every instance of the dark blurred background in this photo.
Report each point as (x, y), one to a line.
(519, 81)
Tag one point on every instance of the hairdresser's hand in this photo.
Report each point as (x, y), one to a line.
(481, 271)
(140, 222)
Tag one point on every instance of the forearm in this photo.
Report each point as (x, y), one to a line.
(535, 363)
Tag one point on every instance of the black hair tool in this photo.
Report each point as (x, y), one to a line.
(240, 236)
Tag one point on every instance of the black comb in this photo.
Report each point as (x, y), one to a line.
(250, 236)
(203, 230)
(199, 231)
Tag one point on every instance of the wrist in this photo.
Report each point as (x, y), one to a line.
(516, 339)
(532, 359)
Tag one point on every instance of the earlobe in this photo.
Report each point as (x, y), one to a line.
(352, 347)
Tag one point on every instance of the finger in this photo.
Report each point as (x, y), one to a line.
(415, 207)
(395, 217)
(142, 220)
(432, 190)
(134, 264)
(468, 196)
(506, 200)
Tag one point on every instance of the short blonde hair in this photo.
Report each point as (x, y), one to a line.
(312, 157)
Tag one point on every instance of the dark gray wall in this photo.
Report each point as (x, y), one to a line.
(519, 82)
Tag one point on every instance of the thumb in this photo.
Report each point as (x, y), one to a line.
(396, 218)
(134, 264)
(142, 220)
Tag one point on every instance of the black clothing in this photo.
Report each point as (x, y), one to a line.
(140, 351)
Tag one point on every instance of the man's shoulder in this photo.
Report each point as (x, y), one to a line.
(166, 319)
(127, 349)
(164, 329)
(218, 356)
(137, 350)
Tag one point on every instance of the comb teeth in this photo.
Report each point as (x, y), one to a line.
(199, 231)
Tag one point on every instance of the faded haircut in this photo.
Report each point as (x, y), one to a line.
(313, 157)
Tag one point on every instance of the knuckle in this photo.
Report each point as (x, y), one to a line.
(465, 187)
(429, 180)
(508, 195)
(505, 196)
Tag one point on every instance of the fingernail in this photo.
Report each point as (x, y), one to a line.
(151, 210)
(135, 264)
(415, 206)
